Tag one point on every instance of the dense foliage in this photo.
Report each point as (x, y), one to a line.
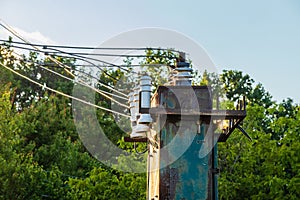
(42, 157)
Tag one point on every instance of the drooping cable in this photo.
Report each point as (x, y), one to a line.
(15, 33)
(94, 59)
(82, 59)
(84, 54)
(101, 92)
(138, 152)
(63, 94)
(48, 53)
(103, 84)
(87, 61)
(98, 48)
(65, 67)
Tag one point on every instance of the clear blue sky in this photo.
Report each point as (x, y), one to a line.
(261, 38)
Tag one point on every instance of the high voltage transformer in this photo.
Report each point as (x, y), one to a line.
(182, 130)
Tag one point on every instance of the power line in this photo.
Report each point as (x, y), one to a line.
(101, 92)
(47, 53)
(97, 48)
(88, 58)
(90, 53)
(11, 30)
(63, 94)
(132, 65)
(99, 81)
(119, 55)
(25, 48)
(15, 33)
(75, 56)
(90, 63)
(103, 84)
(87, 61)
(65, 67)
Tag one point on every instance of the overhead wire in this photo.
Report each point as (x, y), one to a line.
(92, 64)
(101, 92)
(112, 55)
(132, 65)
(94, 59)
(99, 81)
(35, 46)
(63, 94)
(84, 54)
(98, 48)
(74, 57)
(119, 55)
(26, 48)
(82, 59)
(87, 61)
(89, 53)
(103, 84)
(15, 33)
(11, 30)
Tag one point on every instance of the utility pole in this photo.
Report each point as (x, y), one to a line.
(182, 142)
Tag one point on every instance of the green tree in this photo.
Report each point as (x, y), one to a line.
(33, 66)
(268, 167)
(105, 184)
(20, 176)
(41, 156)
(236, 84)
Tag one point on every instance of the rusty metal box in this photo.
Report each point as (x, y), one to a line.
(178, 99)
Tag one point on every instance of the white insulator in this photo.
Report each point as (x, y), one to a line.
(145, 84)
(145, 80)
(183, 76)
(132, 107)
(136, 100)
(141, 105)
(145, 119)
(140, 131)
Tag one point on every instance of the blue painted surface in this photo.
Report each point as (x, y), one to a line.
(216, 195)
(189, 175)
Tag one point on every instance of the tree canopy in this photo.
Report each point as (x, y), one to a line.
(42, 157)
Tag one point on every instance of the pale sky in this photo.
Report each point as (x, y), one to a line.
(261, 38)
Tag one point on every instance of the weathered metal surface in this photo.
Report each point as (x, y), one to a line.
(233, 123)
(153, 173)
(214, 114)
(187, 177)
(129, 139)
(189, 98)
(182, 116)
(215, 172)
